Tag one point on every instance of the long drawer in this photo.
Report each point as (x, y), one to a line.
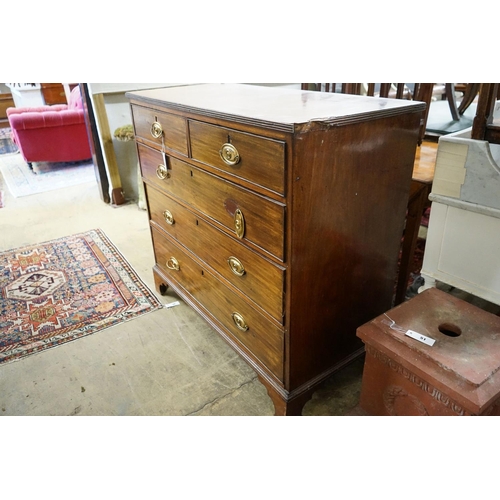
(247, 215)
(170, 131)
(258, 278)
(251, 157)
(258, 334)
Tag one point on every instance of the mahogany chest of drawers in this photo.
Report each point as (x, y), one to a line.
(277, 214)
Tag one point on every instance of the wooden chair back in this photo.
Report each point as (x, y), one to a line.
(484, 128)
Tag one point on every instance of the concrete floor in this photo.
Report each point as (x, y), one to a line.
(168, 362)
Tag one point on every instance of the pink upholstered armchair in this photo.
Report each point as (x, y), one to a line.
(51, 133)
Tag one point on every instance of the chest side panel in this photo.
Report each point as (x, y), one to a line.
(350, 189)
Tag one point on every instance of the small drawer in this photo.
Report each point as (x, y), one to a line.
(251, 157)
(246, 215)
(159, 128)
(244, 323)
(259, 279)
(152, 165)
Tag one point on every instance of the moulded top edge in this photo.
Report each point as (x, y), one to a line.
(274, 107)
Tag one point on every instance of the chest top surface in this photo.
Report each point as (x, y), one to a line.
(274, 107)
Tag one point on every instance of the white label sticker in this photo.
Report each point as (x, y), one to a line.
(420, 337)
(172, 304)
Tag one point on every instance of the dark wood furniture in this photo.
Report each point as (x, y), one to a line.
(421, 92)
(422, 177)
(6, 101)
(418, 201)
(449, 93)
(277, 214)
(53, 93)
(484, 127)
(469, 91)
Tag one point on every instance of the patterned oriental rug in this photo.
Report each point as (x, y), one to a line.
(7, 146)
(55, 292)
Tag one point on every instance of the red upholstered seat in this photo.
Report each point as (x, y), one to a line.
(51, 133)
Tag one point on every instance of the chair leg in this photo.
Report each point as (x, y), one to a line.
(30, 165)
(470, 94)
(450, 95)
(419, 196)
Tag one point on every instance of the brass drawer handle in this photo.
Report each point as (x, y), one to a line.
(156, 130)
(239, 223)
(229, 154)
(240, 322)
(162, 172)
(236, 266)
(173, 264)
(169, 218)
